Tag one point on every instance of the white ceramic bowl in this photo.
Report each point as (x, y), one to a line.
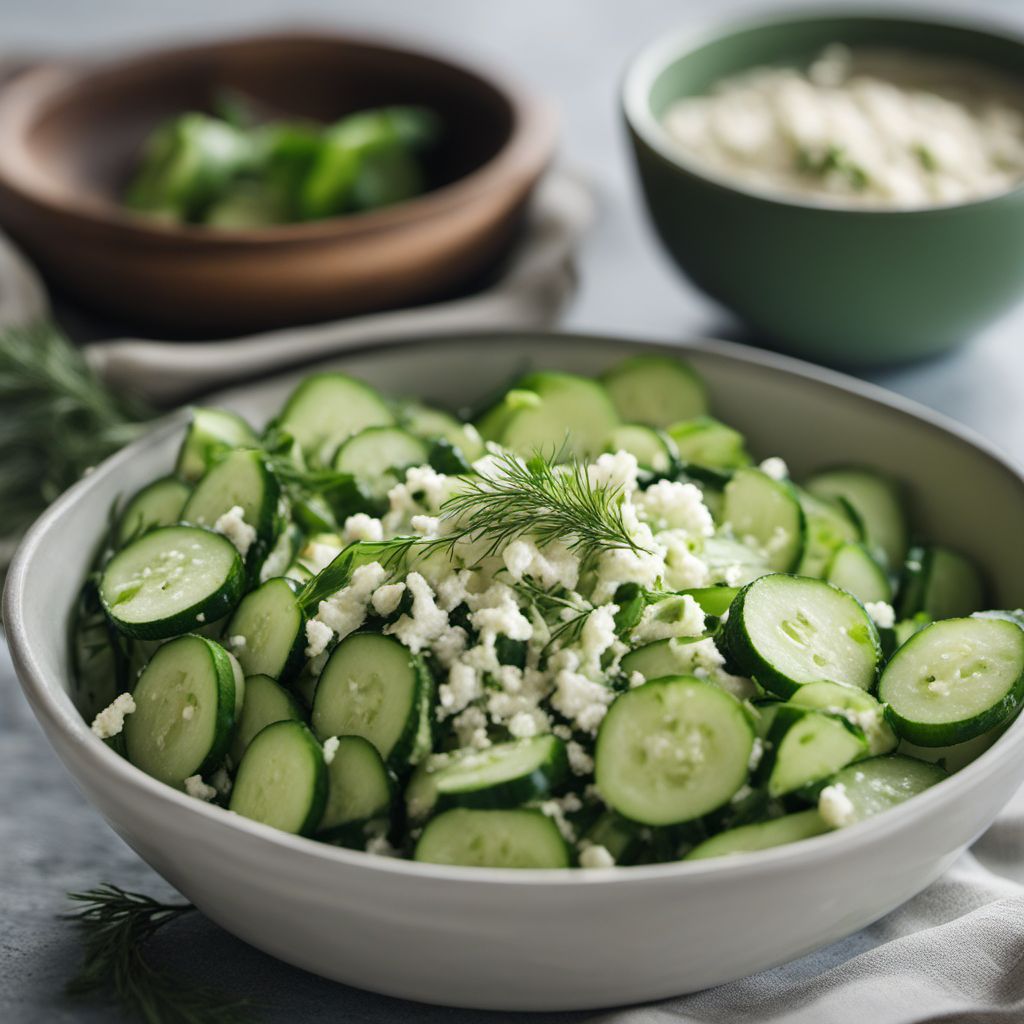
(545, 940)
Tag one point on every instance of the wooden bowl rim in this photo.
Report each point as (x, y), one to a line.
(522, 157)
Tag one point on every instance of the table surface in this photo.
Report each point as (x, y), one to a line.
(573, 50)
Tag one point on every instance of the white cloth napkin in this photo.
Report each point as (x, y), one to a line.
(530, 292)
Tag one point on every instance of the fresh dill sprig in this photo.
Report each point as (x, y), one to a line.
(570, 612)
(59, 419)
(540, 498)
(115, 926)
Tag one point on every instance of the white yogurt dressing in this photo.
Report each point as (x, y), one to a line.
(883, 129)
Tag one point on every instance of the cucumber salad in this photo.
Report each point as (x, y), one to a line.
(580, 628)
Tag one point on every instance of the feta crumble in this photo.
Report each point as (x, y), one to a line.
(835, 807)
(882, 612)
(594, 856)
(195, 787)
(110, 721)
(232, 525)
(330, 749)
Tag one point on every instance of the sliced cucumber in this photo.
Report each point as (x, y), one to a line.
(158, 504)
(733, 563)
(326, 408)
(170, 580)
(829, 527)
(708, 442)
(713, 600)
(661, 658)
(359, 789)
(655, 390)
(855, 570)
(271, 625)
(239, 479)
(378, 456)
(672, 750)
(941, 583)
(265, 703)
(282, 780)
(434, 424)
(786, 631)
(493, 839)
(567, 416)
(761, 836)
(373, 686)
(185, 710)
(877, 503)
(954, 680)
(211, 432)
(854, 704)
(504, 775)
(765, 514)
(875, 785)
(654, 451)
(807, 746)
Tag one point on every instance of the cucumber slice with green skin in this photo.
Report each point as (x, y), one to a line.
(359, 789)
(708, 442)
(957, 756)
(623, 839)
(241, 478)
(786, 631)
(655, 390)
(941, 583)
(265, 703)
(854, 570)
(655, 452)
(672, 750)
(807, 746)
(373, 686)
(955, 680)
(170, 580)
(572, 417)
(157, 504)
(435, 424)
(378, 456)
(762, 836)
(327, 408)
(185, 703)
(660, 658)
(877, 502)
(875, 785)
(504, 775)
(523, 838)
(828, 529)
(282, 780)
(765, 514)
(853, 704)
(272, 625)
(211, 432)
(713, 600)
(764, 716)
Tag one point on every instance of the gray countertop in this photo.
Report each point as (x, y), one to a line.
(573, 50)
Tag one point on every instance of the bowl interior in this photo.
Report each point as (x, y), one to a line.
(82, 132)
(689, 64)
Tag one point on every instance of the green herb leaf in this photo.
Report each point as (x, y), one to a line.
(115, 925)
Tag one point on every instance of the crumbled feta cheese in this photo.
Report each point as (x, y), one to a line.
(380, 847)
(221, 781)
(318, 636)
(598, 636)
(497, 614)
(425, 623)
(232, 525)
(188, 712)
(581, 700)
(345, 611)
(236, 642)
(551, 566)
(636, 679)
(644, 566)
(669, 618)
(617, 470)
(756, 753)
(195, 787)
(471, 728)
(557, 809)
(835, 807)
(386, 599)
(426, 526)
(683, 569)
(464, 685)
(201, 617)
(317, 555)
(594, 856)
(330, 749)
(522, 725)
(882, 612)
(110, 721)
(775, 467)
(362, 527)
(580, 762)
(669, 504)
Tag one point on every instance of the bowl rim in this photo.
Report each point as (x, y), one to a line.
(525, 152)
(51, 702)
(652, 59)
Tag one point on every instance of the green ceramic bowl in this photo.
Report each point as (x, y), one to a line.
(847, 287)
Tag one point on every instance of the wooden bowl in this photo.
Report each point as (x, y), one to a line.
(69, 136)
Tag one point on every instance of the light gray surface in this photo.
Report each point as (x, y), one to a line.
(574, 50)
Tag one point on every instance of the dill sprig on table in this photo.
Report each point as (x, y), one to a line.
(115, 926)
(59, 419)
